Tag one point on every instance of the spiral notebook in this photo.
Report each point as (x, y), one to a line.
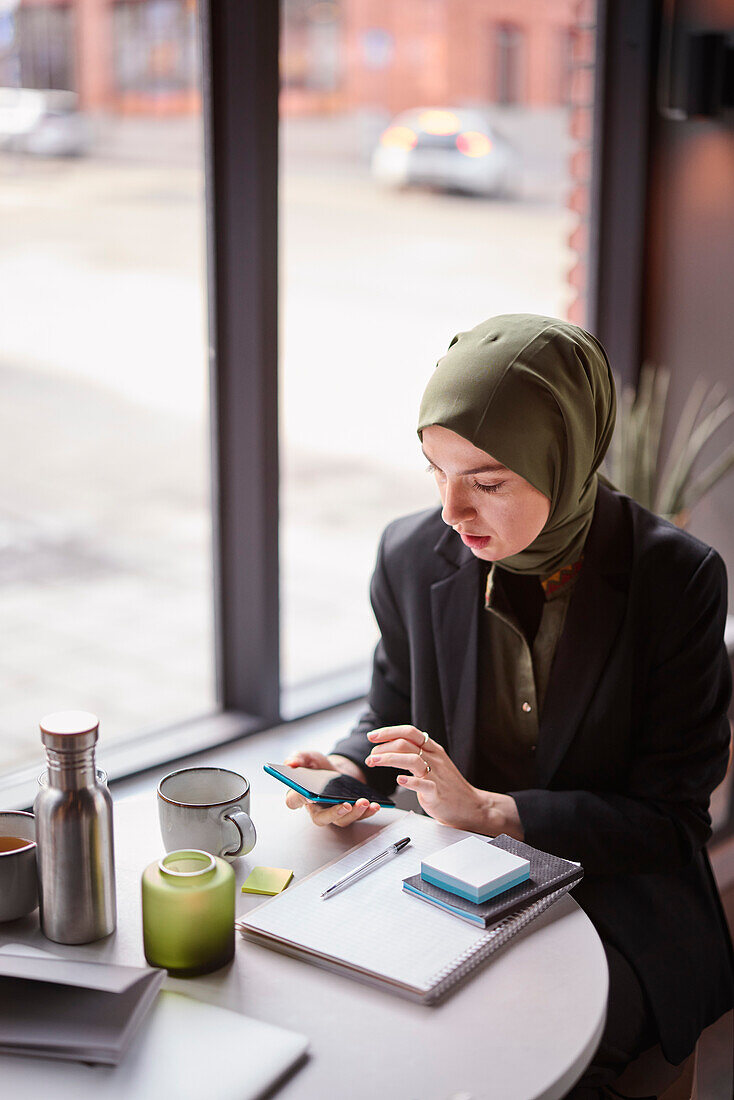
(427, 951)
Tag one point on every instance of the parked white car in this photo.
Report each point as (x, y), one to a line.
(454, 149)
(44, 123)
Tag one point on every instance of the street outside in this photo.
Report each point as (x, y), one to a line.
(106, 556)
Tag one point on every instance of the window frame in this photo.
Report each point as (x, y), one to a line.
(239, 46)
(240, 57)
(625, 63)
(240, 76)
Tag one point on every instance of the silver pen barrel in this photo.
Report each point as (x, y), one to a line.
(352, 876)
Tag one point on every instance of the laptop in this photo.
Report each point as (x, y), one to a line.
(185, 1049)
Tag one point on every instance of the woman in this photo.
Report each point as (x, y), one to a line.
(551, 665)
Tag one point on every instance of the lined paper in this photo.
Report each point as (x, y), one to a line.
(374, 924)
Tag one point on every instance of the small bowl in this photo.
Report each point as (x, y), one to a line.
(18, 875)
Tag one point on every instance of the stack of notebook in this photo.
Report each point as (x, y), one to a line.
(69, 1008)
(486, 881)
(427, 952)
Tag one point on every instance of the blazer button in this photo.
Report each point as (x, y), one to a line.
(527, 708)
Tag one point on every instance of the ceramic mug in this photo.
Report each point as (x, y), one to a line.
(208, 809)
(18, 876)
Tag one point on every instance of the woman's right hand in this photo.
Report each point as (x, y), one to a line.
(343, 813)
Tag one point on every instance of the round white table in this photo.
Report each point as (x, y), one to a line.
(524, 1027)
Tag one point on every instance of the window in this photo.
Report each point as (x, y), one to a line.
(156, 59)
(509, 61)
(411, 207)
(106, 552)
(567, 64)
(37, 49)
(116, 598)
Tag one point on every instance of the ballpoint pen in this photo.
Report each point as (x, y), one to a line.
(364, 868)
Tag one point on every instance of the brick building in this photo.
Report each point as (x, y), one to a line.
(456, 51)
(141, 55)
(117, 55)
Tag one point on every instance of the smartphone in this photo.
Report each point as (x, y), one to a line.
(325, 787)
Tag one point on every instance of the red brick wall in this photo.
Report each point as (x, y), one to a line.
(445, 52)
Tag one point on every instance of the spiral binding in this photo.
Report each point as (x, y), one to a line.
(497, 937)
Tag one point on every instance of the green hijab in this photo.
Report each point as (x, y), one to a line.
(537, 394)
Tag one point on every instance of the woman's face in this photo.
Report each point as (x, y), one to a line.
(496, 512)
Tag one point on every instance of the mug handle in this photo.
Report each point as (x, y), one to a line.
(245, 828)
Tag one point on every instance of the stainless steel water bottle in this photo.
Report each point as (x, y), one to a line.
(74, 834)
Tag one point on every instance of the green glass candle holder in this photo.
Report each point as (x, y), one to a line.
(188, 913)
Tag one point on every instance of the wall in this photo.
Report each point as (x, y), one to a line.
(688, 317)
(414, 53)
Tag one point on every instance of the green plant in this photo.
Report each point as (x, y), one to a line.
(635, 464)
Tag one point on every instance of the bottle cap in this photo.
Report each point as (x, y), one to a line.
(69, 730)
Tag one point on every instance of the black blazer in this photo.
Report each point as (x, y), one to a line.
(633, 734)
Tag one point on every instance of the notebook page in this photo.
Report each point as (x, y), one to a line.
(373, 923)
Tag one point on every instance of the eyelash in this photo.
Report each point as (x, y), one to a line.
(430, 469)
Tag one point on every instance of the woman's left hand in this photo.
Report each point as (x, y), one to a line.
(442, 790)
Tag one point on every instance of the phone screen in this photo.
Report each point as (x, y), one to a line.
(325, 786)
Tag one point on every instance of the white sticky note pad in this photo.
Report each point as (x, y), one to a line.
(474, 869)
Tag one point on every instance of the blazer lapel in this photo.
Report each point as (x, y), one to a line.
(593, 620)
(594, 617)
(454, 615)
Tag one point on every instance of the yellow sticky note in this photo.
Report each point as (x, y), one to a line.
(266, 880)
